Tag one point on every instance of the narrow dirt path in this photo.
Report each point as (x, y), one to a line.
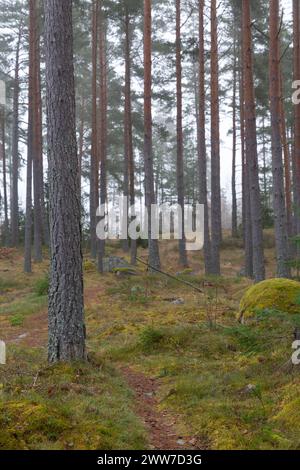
(161, 425)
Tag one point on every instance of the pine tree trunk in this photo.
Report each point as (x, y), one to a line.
(94, 168)
(4, 171)
(15, 148)
(129, 156)
(296, 18)
(125, 242)
(216, 227)
(180, 150)
(280, 219)
(44, 214)
(202, 157)
(251, 148)
(247, 230)
(31, 138)
(234, 225)
(81, 140)
(66, 316)
(37, 148)
(154, 259)
(103, 127)
(287, 162)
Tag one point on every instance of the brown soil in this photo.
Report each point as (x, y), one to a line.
(160, 425)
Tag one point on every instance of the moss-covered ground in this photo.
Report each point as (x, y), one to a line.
(227, 383)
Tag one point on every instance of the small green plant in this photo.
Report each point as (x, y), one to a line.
(17, 320)
(41, 287)
(138, 294)
(150, 338)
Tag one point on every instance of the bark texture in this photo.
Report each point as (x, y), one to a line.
(66, 315)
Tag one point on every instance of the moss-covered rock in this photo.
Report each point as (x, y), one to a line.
(277, 294)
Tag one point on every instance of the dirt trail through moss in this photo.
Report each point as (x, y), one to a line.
(161, 425)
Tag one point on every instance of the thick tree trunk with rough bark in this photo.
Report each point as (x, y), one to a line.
(280, 219)
(201, 135)
(154, 259)
(251, 148)
(66, 316)
(216, 227)
(180, 150)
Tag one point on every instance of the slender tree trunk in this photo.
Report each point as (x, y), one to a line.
(4, 171)
(247, 229)
(216, 227)
(129, 156)
(15, 147)
(154, 259)
(287, 162)
(125, 242)
(180, 149)
(280, 219)
(234, 224)
(81, 140)
(103, 128)
(31, 138)
(44, 214)
(296, 18)
(37, 152)
(265, 169)
(94, 169)
(251, 148)
(202, 157)
(66, 316)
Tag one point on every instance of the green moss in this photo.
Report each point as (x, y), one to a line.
(273, 294)
(26, 421)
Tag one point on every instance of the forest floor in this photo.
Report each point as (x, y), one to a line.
(169, 367)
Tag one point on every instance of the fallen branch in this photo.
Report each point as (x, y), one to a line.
(171, 276)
